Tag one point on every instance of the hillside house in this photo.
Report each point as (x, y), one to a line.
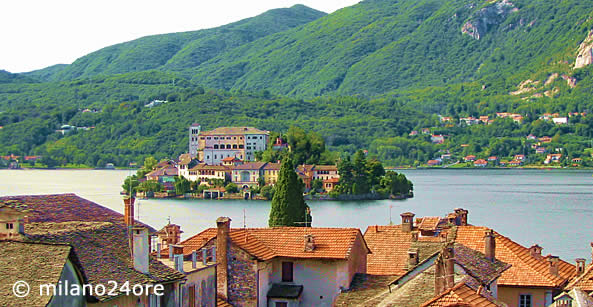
(480, 163)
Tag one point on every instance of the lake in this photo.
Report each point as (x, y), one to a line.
(553, 208)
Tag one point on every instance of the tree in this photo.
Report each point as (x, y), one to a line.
(182, 185)
(396, 184)
(150, 186)
(267, 192)
(288, 205)
(231, 188)
(133, 180)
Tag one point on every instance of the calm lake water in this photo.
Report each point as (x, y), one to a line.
(551, 208)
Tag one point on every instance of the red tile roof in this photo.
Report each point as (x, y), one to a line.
(429, 223)
(526, 270)
(583, 282)
(267, 243)
(389, 249)
(462, 295)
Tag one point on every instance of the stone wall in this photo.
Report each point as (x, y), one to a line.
(242, 283)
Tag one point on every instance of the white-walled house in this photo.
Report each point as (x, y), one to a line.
(281, 266)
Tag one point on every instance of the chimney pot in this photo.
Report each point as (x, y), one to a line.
(462, 216)
(407, 221)
(553, 264)
(140, 249)
(194, 259)
(536, 251)
(178, 263)
(129, 210)
(580, 266)
(309, 243)
(490, 245)
(412, 257)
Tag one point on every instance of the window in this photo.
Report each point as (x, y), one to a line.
(525, 300)
(9, 226)
(287, 271)
(281, 304)
(208, 138)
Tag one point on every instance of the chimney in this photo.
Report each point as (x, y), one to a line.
(223, 225)
(177, 251)
(414, 236)
(309, 243)
(445, 270)
(580, 266)
(412, 257)
(490, 245)
(439, 277)
(449, 267)
(407, 221)
(536, 251)
(462, 214)
(140, 249)
(194, 259)
(129, 210)
(553, 264)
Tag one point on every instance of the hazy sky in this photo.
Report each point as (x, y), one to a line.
(39, 33)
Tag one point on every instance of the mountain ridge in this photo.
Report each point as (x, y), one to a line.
(156, 51)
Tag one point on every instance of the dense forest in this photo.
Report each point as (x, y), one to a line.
(363, 77)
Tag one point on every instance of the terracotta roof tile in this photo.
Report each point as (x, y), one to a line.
(267, 243)
(526, 270)
(429, 223)
(462, 293)
(389, 247)
(584, 282)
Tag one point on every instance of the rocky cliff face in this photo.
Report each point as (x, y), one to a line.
(585, 55)
(481, 21)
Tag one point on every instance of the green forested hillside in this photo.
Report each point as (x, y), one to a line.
(378, 46)
(362, 77)
(179, 51)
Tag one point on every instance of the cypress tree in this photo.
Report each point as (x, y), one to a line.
(288, 205)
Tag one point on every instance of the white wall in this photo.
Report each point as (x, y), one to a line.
(321, 279)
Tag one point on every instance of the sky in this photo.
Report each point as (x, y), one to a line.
(39, 33)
